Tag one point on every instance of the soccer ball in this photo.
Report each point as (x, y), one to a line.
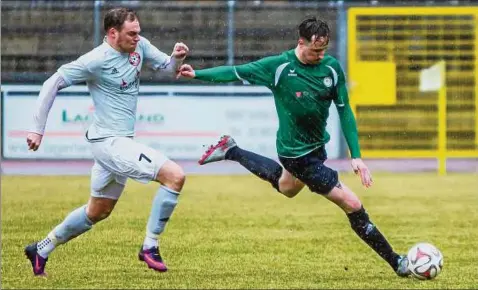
(425, 261)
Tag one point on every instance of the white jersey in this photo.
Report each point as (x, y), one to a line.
(112, 78)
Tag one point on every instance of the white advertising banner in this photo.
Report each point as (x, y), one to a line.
(179, 121)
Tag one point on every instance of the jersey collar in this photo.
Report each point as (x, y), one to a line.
(110, 48)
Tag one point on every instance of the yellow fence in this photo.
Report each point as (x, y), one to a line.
(389, 52)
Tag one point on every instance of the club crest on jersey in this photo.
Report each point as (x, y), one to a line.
(134, 58)
(328, 82)
(298, 94)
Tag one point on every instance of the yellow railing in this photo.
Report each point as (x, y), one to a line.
(388, 49)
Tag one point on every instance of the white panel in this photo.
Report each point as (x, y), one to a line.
(177, 125)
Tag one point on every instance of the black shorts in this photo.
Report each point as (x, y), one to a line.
(310, 169)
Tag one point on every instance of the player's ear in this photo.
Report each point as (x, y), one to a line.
(112, 32)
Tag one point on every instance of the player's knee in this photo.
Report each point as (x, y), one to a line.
(355, 205)
(99, 209)
(177, 180)
(99, 216)
(350, 201)
(289, 186)
(95, 215)
(290, 193)
(289, 190)
(346, 199)
(172, 176)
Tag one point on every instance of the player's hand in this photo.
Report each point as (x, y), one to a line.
(34, 141)
(180, 50)
(361, 169)
(187, 71)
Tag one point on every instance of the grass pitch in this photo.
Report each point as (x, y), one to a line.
(237, 232)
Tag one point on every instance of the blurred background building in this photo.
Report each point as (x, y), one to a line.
(385, 48)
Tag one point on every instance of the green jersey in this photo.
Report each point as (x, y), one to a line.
(302, 93)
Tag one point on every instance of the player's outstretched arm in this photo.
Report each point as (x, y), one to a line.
(159, 61)
(260, 72)
(220, 74)
(45, 100)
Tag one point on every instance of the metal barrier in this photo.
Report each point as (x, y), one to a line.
(217, 32)
(390, 53)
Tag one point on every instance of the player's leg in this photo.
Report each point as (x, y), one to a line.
(106, 188)
(171, 177)
(360, 222)
(289, 185)
(324, 180)
(127, 157)
(263, 167)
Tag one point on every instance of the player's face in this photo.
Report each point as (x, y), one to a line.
(128, 38)
(313, 51)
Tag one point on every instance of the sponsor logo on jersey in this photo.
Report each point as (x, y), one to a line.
(135, 83)
(123, 84)
(292, 73)
(134, 58)
(114, 71)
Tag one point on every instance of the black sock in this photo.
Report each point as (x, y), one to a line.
(370, 234)
(263, 167)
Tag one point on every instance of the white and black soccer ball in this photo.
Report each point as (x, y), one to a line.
(425, 261)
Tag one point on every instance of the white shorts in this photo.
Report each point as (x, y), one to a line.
(119, 158)
(106, 184)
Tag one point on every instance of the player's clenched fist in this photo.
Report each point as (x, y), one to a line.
(34, 141)
(180, 50)
(187, 71)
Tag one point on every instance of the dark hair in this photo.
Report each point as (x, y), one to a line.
(313, 26)
(117, 16)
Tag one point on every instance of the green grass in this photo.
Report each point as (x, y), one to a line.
(237, 232)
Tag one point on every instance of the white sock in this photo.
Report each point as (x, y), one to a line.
(150, 242)
(47, 245)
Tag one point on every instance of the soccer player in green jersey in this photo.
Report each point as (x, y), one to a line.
(304, 81)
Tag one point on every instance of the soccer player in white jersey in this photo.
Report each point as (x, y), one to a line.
(111, 72)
